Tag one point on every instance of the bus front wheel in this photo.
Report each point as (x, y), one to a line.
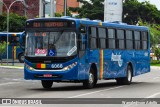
(21, 58)
(47, 84)
(91, 81)
(126, 80)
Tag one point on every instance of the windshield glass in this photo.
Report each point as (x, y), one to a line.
(55, 44)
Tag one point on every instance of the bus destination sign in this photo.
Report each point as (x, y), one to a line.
(50, 24)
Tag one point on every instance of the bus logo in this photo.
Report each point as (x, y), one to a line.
(56, 66)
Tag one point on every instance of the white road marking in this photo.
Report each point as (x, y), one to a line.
(95, 92)
(156, 78)
(9, 83)
(153, 95)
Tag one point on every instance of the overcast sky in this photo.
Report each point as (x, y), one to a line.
(155, 2)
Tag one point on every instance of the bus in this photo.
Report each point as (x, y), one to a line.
(15, 42)
(82, 50)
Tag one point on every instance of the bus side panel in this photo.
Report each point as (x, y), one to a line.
(83, 68)
(115, 63)
(94, 59)
(142, 62)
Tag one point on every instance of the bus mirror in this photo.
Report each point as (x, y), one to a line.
(82, 29)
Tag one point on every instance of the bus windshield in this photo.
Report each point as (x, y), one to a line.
(53, 44)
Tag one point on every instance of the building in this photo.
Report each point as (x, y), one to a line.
(70, 3)
(31, 10)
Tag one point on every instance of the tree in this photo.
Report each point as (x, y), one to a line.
(134, 10)
(3, 46)
(157, 52)
(92, 10)
(16, 22)
(154, 32)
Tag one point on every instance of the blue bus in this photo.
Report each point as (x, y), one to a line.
(16, 43)
(82, 50)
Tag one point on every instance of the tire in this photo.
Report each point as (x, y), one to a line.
(21, 58)
(92, 80)
(47, 84)
(128, 79)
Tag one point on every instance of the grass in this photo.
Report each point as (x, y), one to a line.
(155, 63)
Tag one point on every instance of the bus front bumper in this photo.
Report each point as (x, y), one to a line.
(66, 75)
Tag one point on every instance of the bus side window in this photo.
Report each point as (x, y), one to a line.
(137, 39)
(111, 38)
(93, 38)
(129, 39)
(144, 40)
(102, 38)
(120, 39)
(14, 40)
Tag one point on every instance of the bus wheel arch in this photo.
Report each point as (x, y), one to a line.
(92, 79)
(129, 74)
(21, 57)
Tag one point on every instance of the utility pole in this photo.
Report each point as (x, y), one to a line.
(65, 7)
(52, 8)
(40, 8)
(25, 8)
(44, 5)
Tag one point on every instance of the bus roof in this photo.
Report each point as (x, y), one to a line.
(10, 33)
(87, 21)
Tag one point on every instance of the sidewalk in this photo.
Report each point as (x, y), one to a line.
(10, 64)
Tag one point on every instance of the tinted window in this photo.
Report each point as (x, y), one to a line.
(120, 38)
(93, 38)
(102, 37)
(137, 40)
(144, 40)
(93, 32)
(129, 39)
(111, 38)
(102, 32)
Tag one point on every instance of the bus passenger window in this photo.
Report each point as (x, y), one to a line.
(93, 38)
(102, 38)
(120, 37)
(111, 38)
(137, 38)
(144, 40)
(129, 39)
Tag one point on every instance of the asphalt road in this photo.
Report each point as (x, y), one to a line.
(12, 85)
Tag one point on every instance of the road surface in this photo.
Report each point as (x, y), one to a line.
(12, 85)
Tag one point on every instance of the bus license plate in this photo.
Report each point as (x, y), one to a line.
(47, 75)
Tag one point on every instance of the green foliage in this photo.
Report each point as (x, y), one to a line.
(16, 22)
(68, 13)
(58, 15)
(134, 10)
(154, 32)
(3, 46)
(157, 52)
(92, 10)
(155, 62)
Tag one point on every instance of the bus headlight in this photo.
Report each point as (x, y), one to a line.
(70, 66)
(29, 67)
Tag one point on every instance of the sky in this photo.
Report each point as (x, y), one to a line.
(155, 2)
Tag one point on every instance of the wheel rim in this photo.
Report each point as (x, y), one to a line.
(22, 58)
(91, 78)
(129, 75)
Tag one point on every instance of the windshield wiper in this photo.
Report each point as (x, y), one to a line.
(58, 37)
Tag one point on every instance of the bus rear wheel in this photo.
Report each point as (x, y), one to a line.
(126, 80)
(47, 84)
(91, 81)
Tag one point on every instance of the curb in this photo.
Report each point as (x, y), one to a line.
(12, 67)
(155, 67)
